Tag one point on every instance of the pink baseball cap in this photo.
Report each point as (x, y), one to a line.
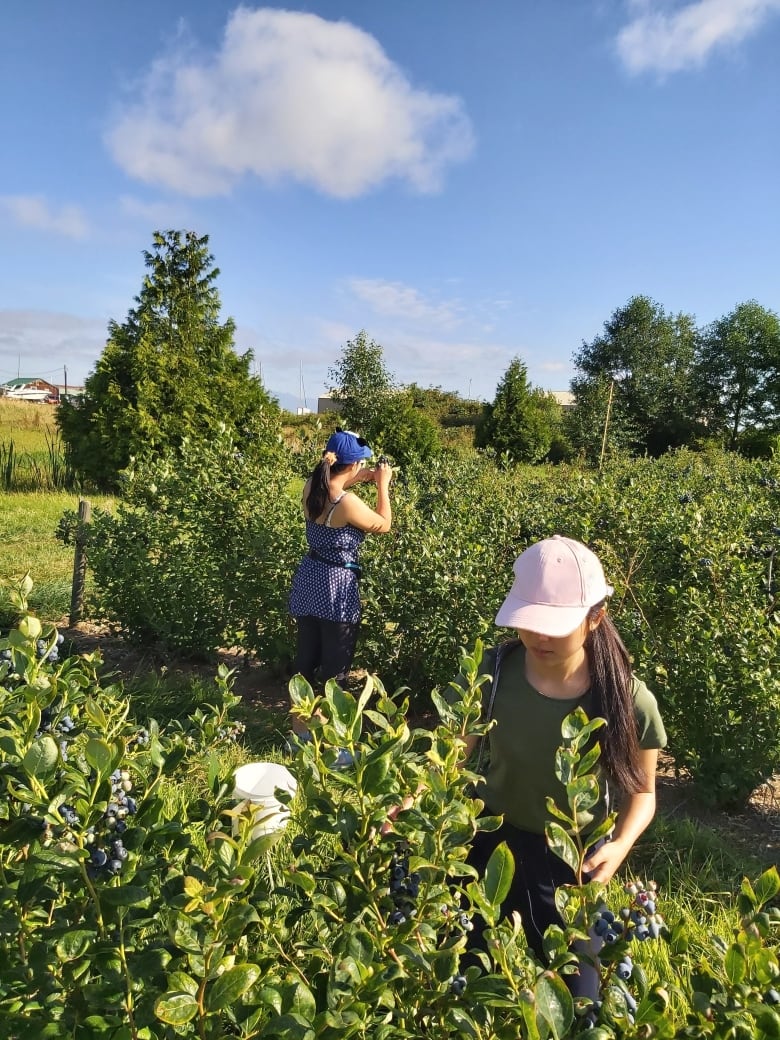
(557, 581)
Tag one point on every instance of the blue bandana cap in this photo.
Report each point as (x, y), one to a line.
(347, 447)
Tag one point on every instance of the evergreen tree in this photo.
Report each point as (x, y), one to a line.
(522, 420)
(169, 371)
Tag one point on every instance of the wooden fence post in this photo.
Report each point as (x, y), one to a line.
(80, 562)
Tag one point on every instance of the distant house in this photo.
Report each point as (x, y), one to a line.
(30, 389)
(40, 390)
(68, 392)
(565, 398)
(326, 404)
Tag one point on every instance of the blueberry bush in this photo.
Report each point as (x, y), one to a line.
(203, 548)
(126, 913)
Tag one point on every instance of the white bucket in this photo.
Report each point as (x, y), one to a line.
(255, 784)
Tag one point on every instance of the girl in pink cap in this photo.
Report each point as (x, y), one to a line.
(567, 654)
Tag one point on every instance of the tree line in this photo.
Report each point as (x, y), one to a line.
(650, 382)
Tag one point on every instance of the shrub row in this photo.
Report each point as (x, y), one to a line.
(202, 549)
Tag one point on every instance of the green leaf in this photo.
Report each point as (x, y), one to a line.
(583, 793)
(300, 879)
(231, 985)
(376, 766)
(299, 1000)
(75, 944)
(498, 874)
(574, 724)
(42, 757)
(554, 1004)
(99, 755)
(767, 886)
(182, 982)
(563, 845)
(125, 895)
(735, 964)
(176, 1009)
(95, 714)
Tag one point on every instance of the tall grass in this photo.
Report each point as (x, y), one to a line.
(31, 451)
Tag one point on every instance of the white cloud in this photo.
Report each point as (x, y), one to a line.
(157, 214)
(44, 343)
(685, 37)
(553, 366)
(35, 212)
(288, 95)
(403, 302)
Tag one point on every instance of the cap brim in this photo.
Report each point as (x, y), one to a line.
(536, 617)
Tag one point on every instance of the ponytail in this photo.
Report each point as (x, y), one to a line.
(319, 484)
(612, 685)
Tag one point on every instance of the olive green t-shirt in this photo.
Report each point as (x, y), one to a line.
(521, 770)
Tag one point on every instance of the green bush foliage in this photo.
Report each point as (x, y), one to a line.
(126, 914)
(202, 552)
(198, 553)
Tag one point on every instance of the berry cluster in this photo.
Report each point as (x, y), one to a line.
(121, 805)
(111, 862)
(232, 732)
(107, 850)
(404, 887)
(142, 737)
(53, 654)
(639, 920)
(458, 985)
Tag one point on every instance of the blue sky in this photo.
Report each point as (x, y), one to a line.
(466, 180)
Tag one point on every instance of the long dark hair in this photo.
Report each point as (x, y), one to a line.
(611, 683)
(319, 486)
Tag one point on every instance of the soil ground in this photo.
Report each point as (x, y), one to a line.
(755, 829)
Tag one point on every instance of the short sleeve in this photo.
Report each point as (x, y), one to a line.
(649, 722)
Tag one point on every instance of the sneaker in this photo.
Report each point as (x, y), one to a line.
(294, 741)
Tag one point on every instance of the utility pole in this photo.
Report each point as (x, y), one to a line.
(606, 425)
(65, 373)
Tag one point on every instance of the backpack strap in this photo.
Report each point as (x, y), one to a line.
(502, 652)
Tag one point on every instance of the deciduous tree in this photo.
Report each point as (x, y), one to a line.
(739, 372)
(649, 356)
(360, 382)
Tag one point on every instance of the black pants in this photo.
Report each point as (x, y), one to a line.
(538, 872)
(327, 647)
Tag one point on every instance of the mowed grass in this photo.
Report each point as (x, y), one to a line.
(28, 521)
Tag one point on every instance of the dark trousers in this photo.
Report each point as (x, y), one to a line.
(327, 647)
(538, 872)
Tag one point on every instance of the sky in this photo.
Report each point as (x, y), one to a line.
(468, 181)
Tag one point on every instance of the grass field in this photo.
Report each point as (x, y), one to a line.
(28, 521)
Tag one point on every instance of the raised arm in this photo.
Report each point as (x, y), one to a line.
(354, 510)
